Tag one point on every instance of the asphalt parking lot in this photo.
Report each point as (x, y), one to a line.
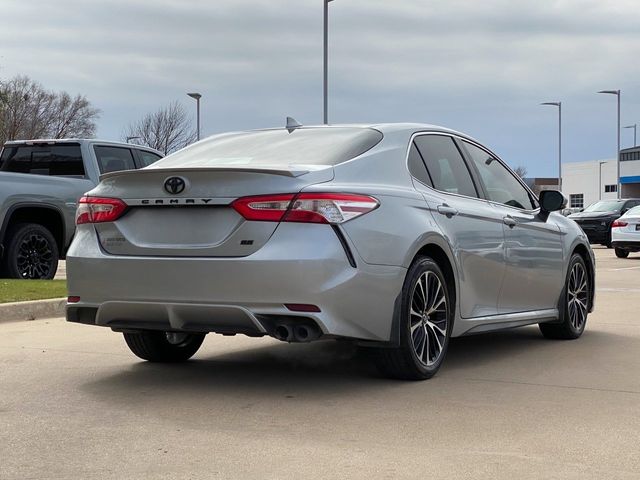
(75, 403)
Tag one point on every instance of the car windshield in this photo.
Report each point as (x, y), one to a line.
(605, 206)
(276, 148)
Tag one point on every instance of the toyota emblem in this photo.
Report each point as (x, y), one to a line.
(174, 185)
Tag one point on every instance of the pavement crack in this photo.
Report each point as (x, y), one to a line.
(552, 385)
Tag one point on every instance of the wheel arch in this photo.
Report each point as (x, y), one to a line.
(48, 216)
(583, 251)
(438, 250)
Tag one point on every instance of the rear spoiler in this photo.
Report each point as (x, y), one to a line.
(286, 172)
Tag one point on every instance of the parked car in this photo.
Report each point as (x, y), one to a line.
(40, 184)
(625, 233)
(397, 236)
(597, 218)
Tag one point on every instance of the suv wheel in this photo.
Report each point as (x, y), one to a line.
(164, 346)
(576, 303)
(622, 253)
(425, 325)
(32, 252)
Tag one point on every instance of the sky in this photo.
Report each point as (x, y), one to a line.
(480, 67)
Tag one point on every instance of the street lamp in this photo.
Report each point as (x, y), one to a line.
(600, 181)
(326, 61)
(559, 105)
(131, 138)
(197, 96)
(634, 126)
(617, 94)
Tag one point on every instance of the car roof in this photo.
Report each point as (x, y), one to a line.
(385, 128)
(52, 141)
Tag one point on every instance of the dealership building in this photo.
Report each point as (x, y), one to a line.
(584, 183)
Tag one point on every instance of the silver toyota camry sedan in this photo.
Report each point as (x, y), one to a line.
(395, 236)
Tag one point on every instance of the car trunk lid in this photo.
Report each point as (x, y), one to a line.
(188, 212)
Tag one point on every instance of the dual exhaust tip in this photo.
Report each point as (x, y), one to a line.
(296, 333)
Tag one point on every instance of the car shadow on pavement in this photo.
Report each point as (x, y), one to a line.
(322, 368)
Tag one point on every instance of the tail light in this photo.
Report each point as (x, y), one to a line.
(619, 223)
(305, 207)
(98, 210)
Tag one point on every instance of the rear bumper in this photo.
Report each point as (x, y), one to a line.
(301, 264)
(633, 246)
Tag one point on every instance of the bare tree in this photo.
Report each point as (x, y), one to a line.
(167, 130)
(72, 117)
(29, 111)
(521, 171)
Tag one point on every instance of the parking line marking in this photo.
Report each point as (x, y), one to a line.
(624, 268)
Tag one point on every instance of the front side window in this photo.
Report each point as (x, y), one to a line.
(501, 185)
(114, 159)
(445, 164)
(42, 159)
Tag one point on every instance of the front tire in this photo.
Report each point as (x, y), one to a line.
(576, 303)
(622, 253)
(165, 347)
(425, 325)
(32, 252)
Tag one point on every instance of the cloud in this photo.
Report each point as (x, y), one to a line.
(480, 67)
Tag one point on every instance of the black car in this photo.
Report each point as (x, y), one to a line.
(596, 219)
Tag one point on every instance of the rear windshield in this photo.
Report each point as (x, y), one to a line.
(276, 148)
(56, 160)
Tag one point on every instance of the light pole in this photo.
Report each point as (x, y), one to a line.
(617, 94)
(635, 127)
(131, 138)
(326, 61)
(197, 96)
(559, 105)
(600, 181)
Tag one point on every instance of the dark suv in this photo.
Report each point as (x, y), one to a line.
(596, 219)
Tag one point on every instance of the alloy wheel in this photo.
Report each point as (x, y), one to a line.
(35, 257)
(577, 296)
(428, 318)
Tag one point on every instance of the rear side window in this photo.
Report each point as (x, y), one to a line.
(114, 159)
(313, 146)
(417, 167)
(147, 158)
(445, 164)
(54, 160)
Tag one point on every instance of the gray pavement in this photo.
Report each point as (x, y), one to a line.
(74, 403)
(61, 273)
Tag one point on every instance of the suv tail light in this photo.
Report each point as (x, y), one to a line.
(330, 208)
(619, 223)
(98, 210)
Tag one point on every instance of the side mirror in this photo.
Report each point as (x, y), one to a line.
(551, 201)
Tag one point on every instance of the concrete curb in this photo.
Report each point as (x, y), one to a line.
(34, 310)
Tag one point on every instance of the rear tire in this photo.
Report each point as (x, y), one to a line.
(622, 253)
(425, 325)
(165, 347)
(576, 303)
(32, 252)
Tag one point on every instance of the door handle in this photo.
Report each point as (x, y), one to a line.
(509, 221)
(445, 209)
